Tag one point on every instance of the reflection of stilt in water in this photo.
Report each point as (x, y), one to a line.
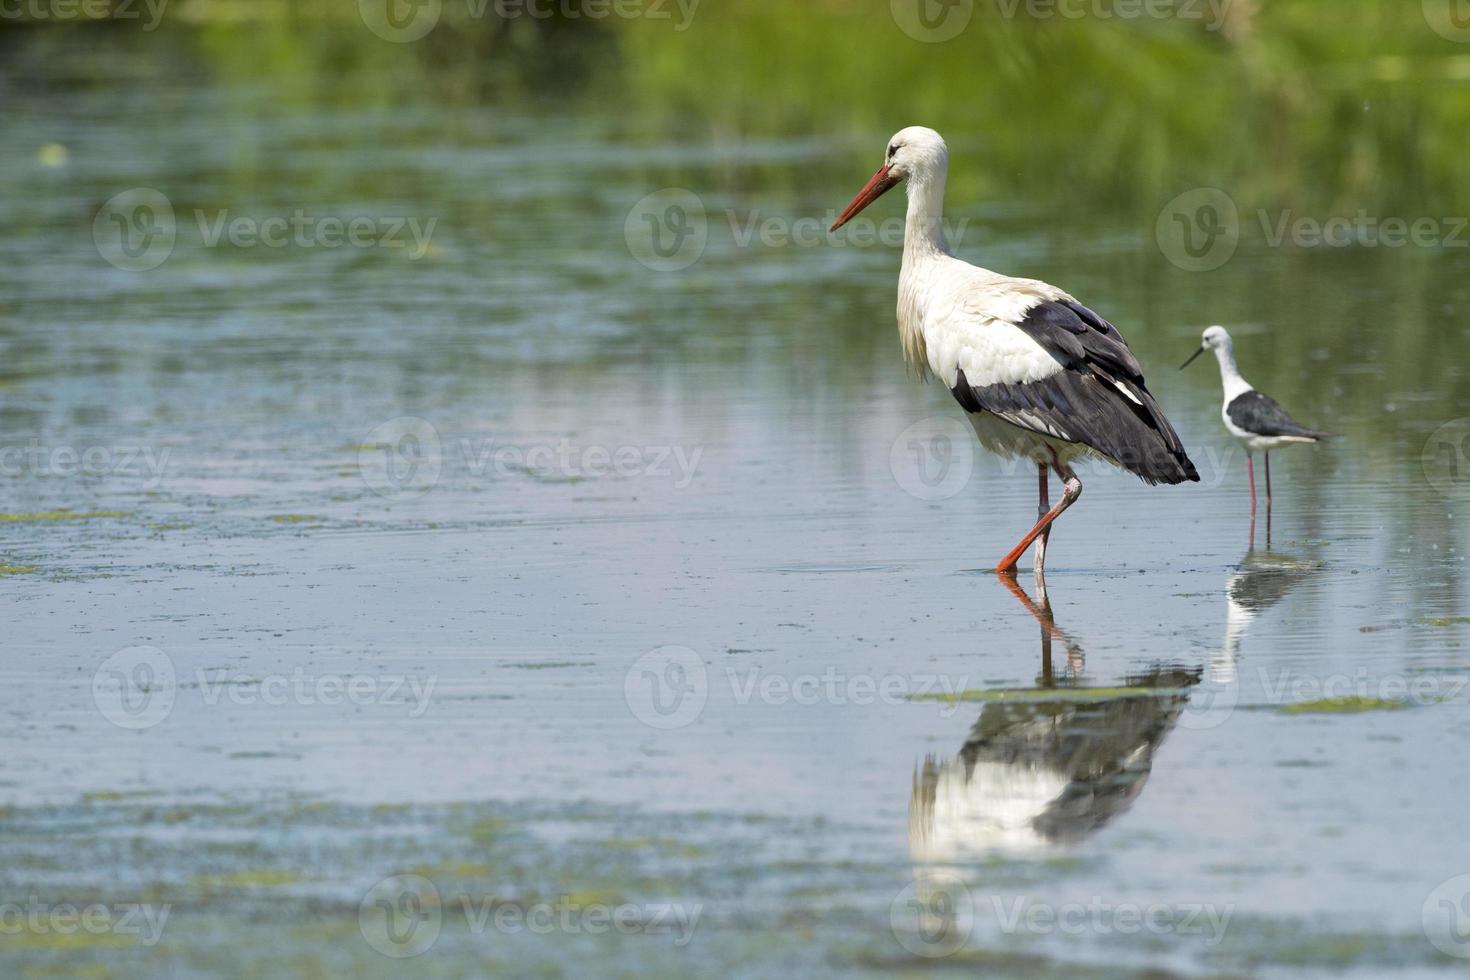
(1268, 525)
(1044, 765)
(1262, 579)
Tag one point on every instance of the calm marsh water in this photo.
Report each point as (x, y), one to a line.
(503, 560)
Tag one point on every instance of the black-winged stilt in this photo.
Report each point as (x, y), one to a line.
(1042, 376)
(1254, 418)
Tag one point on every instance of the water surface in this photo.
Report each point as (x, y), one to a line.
(668, 587)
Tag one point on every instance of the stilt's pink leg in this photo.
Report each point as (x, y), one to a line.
(1250, 468)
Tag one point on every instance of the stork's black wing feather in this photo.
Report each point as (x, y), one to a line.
(1098, 399)
(1262, 415)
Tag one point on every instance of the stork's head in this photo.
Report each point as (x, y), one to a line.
(915, 154)
(1214, 338)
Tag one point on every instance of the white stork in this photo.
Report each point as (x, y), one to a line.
(1254, 418)
(1041, 376)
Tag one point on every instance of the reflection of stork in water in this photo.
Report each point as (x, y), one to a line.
(1262, 579)
(1045, 765)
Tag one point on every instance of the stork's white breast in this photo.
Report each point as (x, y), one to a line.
(988, 351)
(969, 324)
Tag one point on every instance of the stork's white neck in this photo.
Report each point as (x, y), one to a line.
(923, 233)
(923, 244)
(1230, 378)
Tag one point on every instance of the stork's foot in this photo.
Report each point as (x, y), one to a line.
(1071, 490)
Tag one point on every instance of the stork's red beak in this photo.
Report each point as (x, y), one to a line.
(882, 182)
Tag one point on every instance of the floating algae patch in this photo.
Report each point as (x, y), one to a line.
(62, 515)
(1253, 942)
(16, 569)
(664, 845)
(262, 878)
(1048, 695)
(57, 941)
(239, 915)
(1433, 622)
(455, 869)
(1341, 706)
(295, 518)
(116, 796)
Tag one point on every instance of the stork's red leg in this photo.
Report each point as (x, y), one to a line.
(1071, 490)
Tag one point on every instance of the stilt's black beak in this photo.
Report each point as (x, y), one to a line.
(1192, 357)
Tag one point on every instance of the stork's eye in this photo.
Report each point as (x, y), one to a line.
(892, 149)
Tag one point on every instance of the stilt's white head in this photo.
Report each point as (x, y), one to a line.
(916, 154)
(1216, 339)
